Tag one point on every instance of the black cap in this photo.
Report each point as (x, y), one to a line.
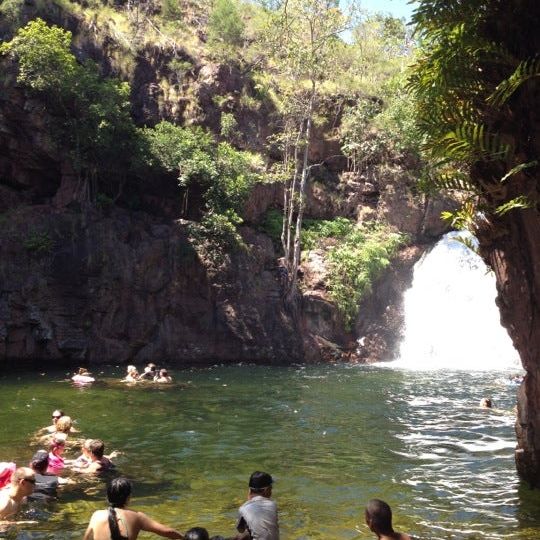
(260, 480)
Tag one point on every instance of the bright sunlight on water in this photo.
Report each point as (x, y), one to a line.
(332, 437)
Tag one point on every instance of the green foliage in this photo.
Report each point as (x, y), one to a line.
(467, 83)
(272, 225)
(225, 28)
(38, 242)
(314, 230)
(90, 115)
(229, 125)
(10, 11)
(180, 67)
(356, 255)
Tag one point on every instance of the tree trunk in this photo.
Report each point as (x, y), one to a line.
(512, 249)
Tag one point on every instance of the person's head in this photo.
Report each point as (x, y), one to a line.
(86, 445)
(64, 424)
(151, 366)
(23, 480)
(118, 492)
(40, 461)
(83, 371)
(131, 369)
(58, 444)
(163, 373)
(379, 517)
(97, 448)
(56, 415)
(486, 403)
(197, 533)
(260, 483)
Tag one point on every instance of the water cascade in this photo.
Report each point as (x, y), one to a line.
(451, 320)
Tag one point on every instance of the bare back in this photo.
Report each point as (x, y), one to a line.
(130, 523)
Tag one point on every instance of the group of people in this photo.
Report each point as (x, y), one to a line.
(150, 373)
(41, 478)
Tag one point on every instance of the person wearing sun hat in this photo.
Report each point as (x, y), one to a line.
(257, 517)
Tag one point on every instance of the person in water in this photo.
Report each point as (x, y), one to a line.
(98, 461)
(163, 377)
(197, 533)
(379, 520)
(56, 415)
(120, 523)
(149, 373)
(257, 517)
(486, 403)
(132, 374)
(22, 485)
(56, 451)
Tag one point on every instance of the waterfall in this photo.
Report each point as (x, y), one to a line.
(451, 320)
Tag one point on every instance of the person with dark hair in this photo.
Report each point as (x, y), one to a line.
(257, 517)
(120, 523)
(197, 533)
(99, 462)
(163, 377)
(379, 520)
(149, 373)
(46, 484)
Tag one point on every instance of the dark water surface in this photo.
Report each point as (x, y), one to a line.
(332, 436)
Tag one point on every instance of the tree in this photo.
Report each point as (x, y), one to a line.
(305, 39)
(89, 116)
(477, 83)
(225, 28)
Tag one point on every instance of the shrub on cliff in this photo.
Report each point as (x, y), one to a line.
(90, 116)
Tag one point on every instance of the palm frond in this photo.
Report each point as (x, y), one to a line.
(526, 70)
(520, 202)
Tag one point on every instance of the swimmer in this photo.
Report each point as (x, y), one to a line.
(149, 372)
(84, 459)
(132, 374)
(379, 520)
(486, 403)
(163, 377)
(22, 485)
(197, 533)
(98, 461)
(56, 449)
(82, 377)
(120, 523)
(56, 414)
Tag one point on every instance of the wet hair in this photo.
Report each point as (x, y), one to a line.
(64, 424)
(163, 373)
(486, 402)
(57, 440)
(97, 448)
(197, 533)
(118, 492)
(40, 461)
(379, 515)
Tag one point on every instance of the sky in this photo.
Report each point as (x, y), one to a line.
(397, 8)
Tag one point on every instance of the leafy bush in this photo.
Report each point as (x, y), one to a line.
(357, 262)
(90, 115)
(226, 28)
(356, 257)
(38, 242)
(228, 125)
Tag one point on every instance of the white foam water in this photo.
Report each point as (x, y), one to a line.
(451, 319)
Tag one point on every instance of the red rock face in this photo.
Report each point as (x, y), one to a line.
(512, 248)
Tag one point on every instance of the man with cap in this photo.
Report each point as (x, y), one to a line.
(22, 485)
(257, 517)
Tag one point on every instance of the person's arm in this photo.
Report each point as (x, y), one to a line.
(89, 534)
(149, 525)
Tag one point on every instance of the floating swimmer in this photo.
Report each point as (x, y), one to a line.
(82, 377)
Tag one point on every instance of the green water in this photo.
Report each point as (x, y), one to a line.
(332, 437)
